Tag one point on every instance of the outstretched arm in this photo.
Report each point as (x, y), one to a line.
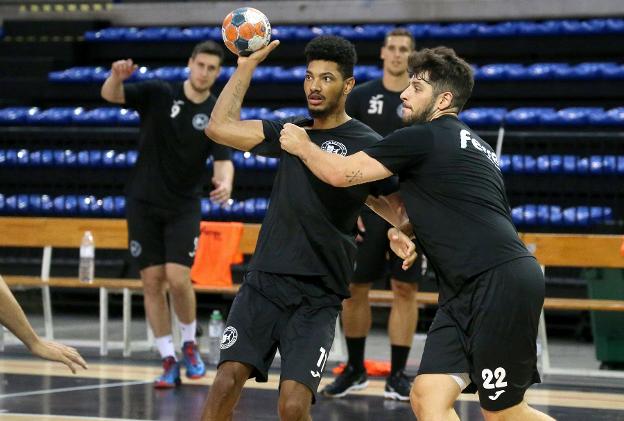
(12, 316)
(333, 169)
(225, 126)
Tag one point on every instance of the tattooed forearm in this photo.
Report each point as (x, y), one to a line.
(354, 176)
(237, 100)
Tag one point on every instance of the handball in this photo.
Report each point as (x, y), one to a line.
(245, 30)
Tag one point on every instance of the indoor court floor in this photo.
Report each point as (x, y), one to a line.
(37, 390)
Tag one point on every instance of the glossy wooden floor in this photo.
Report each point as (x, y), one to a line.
(37, 390)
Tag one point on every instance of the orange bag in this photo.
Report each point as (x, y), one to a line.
(217, 250)
(373, 368)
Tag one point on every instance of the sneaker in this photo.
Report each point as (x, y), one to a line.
(195, 367)
(398, 387)
(171, 375)
(348, 381)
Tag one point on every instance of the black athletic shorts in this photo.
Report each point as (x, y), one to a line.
(157, 235)
(289, 313)
(375, 258)
(491, 334)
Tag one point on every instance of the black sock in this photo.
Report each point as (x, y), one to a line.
(399, 358)
(355, 348)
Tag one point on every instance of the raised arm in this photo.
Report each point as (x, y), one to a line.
(225, 126)
(113, 89)
(333, 169)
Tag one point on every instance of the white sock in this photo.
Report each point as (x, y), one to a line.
(165, 346)
(188, 331)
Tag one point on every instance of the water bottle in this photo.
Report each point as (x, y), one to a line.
(215, 331)
(86, 266)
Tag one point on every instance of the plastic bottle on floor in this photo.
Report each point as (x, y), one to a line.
(215, 331)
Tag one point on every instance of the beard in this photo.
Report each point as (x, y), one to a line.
(421, 116)
(198, 89)
(329, 109)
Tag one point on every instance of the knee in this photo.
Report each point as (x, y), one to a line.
(154, 286)
(291, 409)
(359, 293)
(224, 384)
(417, 402)
(403, 290)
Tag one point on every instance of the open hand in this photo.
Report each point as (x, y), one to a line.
(54, 351)
(260, 55)
(222, 191)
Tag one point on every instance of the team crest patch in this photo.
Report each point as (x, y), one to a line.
(200, 121)
(399, 110)
(230, 335)
(333, 146)
(135, 248)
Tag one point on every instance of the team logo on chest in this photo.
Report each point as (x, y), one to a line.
(333, 146)
(200, 121)
(399, 110)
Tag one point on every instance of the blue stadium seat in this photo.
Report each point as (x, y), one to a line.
(16, 115)
(504, 163)
(529, 214)
(609, 164)
(556, 215)
(527, 116)
(503, 29)
(126, 117)
(517, 215)
(108, 158)
(483, 116)
(56, 116)
(131, 158)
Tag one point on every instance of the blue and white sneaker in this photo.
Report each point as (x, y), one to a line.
(171, 376)
(195, 367)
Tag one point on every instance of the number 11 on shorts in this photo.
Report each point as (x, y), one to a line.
(320, 363)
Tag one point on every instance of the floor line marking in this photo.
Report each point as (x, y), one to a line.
(71, 389)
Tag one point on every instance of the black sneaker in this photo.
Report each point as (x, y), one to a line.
(398, 387)
(349, 380)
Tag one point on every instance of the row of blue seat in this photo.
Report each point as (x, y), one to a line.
(512, 164)
(255, 209)
(115, 206)
(526, 116)
(374, 31)
(109, 159)
(562, 164)
(550, 215)
(279, 74)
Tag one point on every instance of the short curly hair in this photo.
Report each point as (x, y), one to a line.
(446, 72)
(333, 48)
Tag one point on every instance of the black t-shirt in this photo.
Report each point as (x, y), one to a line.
(455, 198)
(173, 148)
(309, 226)
(375, 106)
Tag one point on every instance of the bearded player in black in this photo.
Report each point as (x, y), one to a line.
(304, 258)
(377, 104)
(491, 288)
(163, 206)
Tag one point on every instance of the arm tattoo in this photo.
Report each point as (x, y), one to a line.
(354, 176)
(237, 100)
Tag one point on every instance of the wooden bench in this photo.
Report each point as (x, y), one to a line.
(47, 233)
(550, 249)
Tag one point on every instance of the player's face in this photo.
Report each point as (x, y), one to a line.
(204, 69)
(325, 89)
(419, 101)
(395, 53)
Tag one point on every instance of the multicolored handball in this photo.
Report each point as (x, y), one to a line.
(245, 30)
